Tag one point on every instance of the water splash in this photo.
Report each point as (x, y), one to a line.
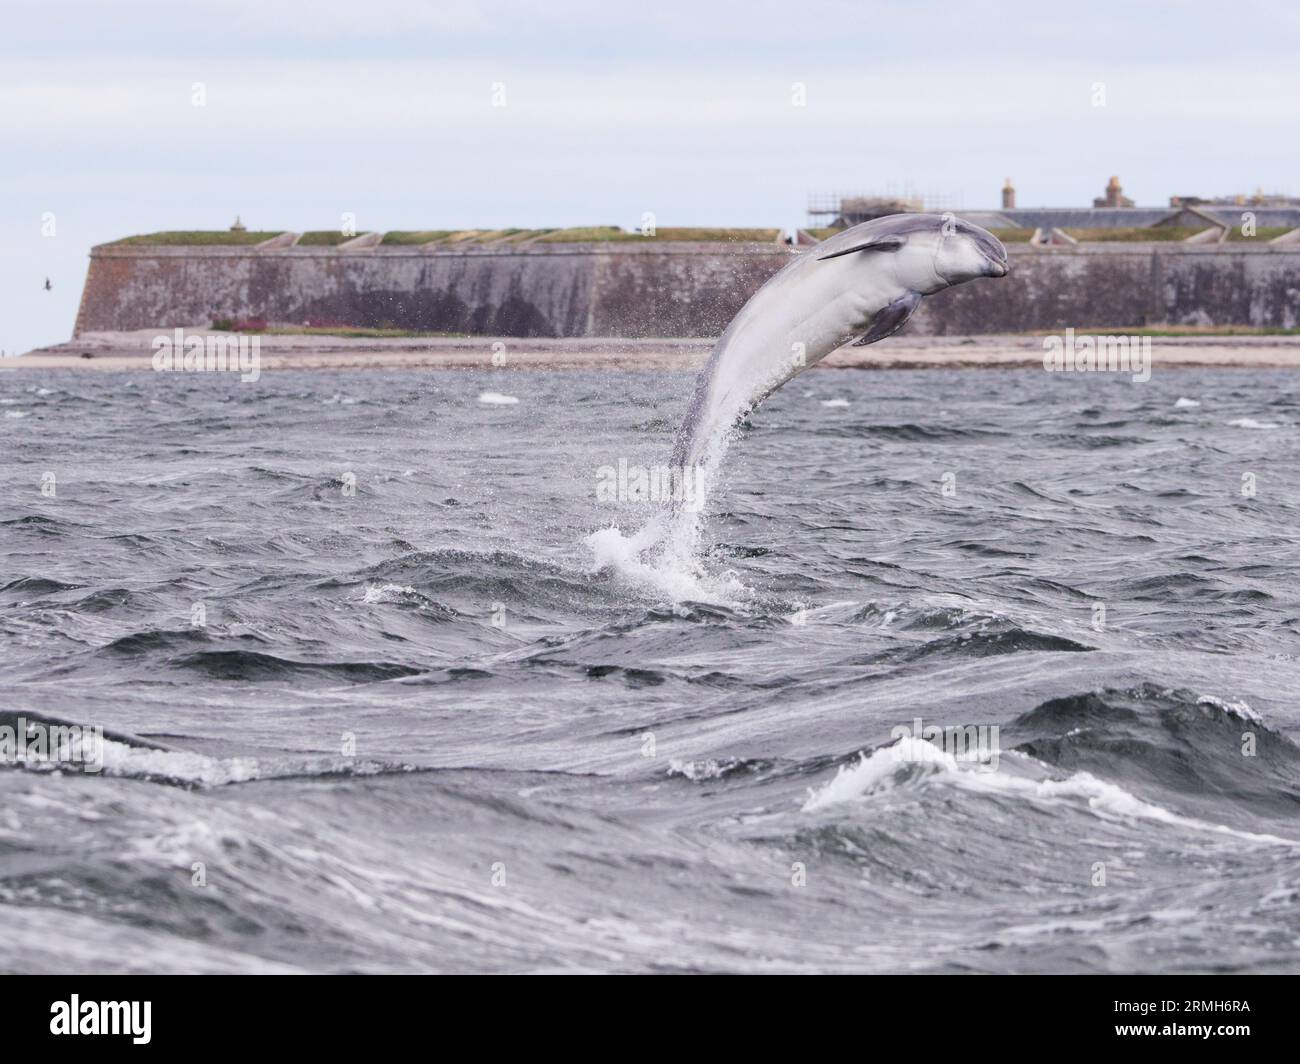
(667, 556)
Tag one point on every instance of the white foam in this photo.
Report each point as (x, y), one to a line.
(1183, 401)
(696, 770)
(377, 593)
(647, 561)
(497, 399)
(874, 773)
(1251, 423)
(835, 402)
(1237, 709)
(185, 766)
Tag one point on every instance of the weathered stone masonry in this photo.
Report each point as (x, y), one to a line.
(662, 289)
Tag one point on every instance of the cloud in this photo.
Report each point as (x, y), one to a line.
(407, 96)
(680, 107)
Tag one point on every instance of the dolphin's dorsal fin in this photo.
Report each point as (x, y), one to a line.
(890, 318)
(879, 243)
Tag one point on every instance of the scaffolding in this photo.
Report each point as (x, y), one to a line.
(845, 209)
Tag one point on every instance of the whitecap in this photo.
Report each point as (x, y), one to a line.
(697, 770)
(376, 593)
(183, 766)
(1237, 709)
(886, 767)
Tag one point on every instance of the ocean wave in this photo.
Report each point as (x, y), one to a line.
(1201, 746)
(407, 597)
(909, 432)
(967, 631)
(39, 586)
(120, 754)
(921, 763)
(252, 665)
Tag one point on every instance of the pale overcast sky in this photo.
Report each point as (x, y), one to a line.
(384, 108)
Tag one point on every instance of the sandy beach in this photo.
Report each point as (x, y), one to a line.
(133, 350)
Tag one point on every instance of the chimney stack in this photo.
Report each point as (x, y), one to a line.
(1008, 196)
(1114, 196)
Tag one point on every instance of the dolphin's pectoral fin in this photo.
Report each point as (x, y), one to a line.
(890, 318)
(880, 243)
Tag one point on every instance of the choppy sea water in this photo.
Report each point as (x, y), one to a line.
(371, 706)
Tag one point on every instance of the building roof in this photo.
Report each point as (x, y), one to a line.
(1265, 217)
(1085, 217)
(1128, 217)
(992, 220)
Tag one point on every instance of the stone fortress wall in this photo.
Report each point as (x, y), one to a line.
(629, 287)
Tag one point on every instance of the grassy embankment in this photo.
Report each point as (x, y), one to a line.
(198, 238)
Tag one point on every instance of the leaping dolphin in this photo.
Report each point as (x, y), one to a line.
(865, 282)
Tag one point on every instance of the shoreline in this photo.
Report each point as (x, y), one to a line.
(121, 351)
